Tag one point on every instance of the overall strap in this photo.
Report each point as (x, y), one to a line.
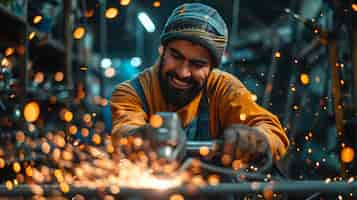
(198, 129)
(140, 92)
(203, 120)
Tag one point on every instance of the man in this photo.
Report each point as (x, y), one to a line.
(186, 80)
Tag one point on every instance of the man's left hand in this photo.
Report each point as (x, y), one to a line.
(244, 143)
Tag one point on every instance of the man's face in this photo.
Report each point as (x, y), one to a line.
(184, 69)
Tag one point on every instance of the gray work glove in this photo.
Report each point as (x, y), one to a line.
(136, 140)
(156, 146)
(244, 144)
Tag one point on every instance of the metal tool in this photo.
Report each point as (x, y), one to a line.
(171, 142)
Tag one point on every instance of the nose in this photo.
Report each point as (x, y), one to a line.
(184, 70)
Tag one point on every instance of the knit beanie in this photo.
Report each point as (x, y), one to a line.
(200, 24)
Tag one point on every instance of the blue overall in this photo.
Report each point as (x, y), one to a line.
(201, 122)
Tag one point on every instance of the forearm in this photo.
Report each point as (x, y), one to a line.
(127, 112)
(247, 112)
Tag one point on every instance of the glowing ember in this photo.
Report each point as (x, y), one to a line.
(204, 151)
(2, 163)
(156, 121)
(176, 197)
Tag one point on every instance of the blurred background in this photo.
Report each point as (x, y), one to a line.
(60, 61)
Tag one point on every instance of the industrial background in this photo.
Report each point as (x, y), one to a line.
(60, 61)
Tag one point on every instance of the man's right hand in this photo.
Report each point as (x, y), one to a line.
(135, 141)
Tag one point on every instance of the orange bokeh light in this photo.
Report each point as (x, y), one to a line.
(59, 76)
(176, 197)
(347, 154)
(354, 7)
(111, 13)
(156, 4)
(304, 78)
(37, 19)
(204, 151)
(79, 32)
(156, 121)
(124, 2)
(96, 139)
(66, 115)
(31, 111)
(16, 167)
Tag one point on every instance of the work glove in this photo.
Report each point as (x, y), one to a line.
(132, 143)
(244, 146)
(156, 144)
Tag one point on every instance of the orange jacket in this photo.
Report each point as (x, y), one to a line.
(229, 103)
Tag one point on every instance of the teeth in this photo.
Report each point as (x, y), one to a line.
(179, 83)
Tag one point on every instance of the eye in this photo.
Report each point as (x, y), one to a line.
(198, 64)
(175, 54)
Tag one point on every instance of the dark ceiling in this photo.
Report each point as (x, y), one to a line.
(121, 35)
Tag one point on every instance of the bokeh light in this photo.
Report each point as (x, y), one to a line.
(39, 77)
(111, 13)
(156, 4)
(176, 197)
(79, 32)
(32, 35)
(304, 79)
(347, 154)
(31, 111)
(110, 72)
(204, 151)
(354, 7)
(156, 121)
(66, 115)
(9, 51)
(125, 2)
(277, 54)
(37, 19)
(59, 76)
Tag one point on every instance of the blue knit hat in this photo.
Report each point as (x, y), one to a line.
(200, 24)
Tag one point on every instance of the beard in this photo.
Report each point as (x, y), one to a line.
(174, 96)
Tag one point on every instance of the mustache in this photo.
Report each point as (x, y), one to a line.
(188, 80)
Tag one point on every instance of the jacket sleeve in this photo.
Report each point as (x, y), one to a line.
(238, 106)
(126, 108)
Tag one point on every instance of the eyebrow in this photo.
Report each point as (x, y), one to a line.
(201, 61)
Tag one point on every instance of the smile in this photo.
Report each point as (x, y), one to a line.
(176, 83)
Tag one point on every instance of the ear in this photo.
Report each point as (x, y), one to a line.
(161, 50)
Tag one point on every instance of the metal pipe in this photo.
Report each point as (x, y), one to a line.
(68, 40)
(26, 70)
(103, 28)
(235, 22)
(195, 146)
(354, 66)
(272, 70)
(102, 43)
(296, 34)
(336, 88)
(294, 187)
